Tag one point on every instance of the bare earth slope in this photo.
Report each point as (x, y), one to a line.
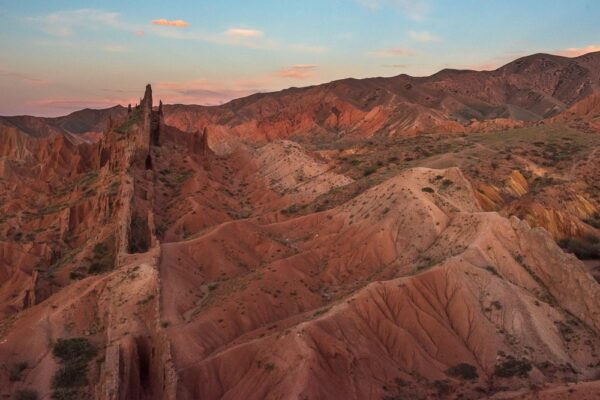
(530, 88)
(376, 239)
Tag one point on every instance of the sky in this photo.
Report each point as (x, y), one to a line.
(60, 56)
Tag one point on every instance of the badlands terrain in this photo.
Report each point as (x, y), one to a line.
(386, 238)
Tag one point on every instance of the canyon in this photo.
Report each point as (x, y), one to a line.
(384, 238)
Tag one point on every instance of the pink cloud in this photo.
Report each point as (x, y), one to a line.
(206, 92)
(178, 23)
(298, 71)
(423, 36)
(579, 51)
(23, 77)
(241, 32)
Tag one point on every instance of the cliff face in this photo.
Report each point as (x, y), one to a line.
(209, 259)
(88, 209)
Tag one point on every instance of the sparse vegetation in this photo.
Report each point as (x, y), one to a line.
(594, 220)
(512, 367)
(446, 183)
(103, 256)
(16, 371)
(585, 248)
(492, 270)
(139, 234)
(54, 208)
(70, 380)
(64, 260)
(369, 171)
(463, 371)
(320, 312)
(269, 366)
(134, 118)
(26, 394)
(293, 209)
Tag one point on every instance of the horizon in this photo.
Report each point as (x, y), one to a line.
(65, 57)
(287, 88)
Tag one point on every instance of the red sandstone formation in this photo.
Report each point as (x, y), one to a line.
(363, 239)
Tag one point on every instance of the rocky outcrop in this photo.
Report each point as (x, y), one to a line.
(201, 262)
(97, 202)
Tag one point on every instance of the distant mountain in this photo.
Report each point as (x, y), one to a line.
(528, 89)
(87, 120)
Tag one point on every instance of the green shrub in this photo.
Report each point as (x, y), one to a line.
(463, 371)
(70, 375)
(70, 380)
(492, 270)
(584, 248)
(71, 350)
(68, 394)
(213, 286)
(103, 259)
(447, 183)
(17, 370)
(513, 367)
(370, 170)
(442, 387)
(594, 220)
(26, 394)
(269, 366)
(293, 209)
(100, 248)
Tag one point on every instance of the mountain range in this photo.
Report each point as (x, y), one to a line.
(383, 238)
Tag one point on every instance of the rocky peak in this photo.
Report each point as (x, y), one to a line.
(147, 100)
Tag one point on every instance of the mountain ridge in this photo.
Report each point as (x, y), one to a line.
(360, 241)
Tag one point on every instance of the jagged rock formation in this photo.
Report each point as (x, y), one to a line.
(204, 258)
(106, 208)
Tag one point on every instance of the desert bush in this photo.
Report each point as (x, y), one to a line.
(585, 248)
(447, 183)
(73, 356)
(213, 286)
(293, 209)
(269, 366)
(103, 256)
(17, 370)
(513, 367)
(427, 189)
(442, 387)
(594, 220)
(463, 371)
(71, 350)
(26, 394)
(369, 170)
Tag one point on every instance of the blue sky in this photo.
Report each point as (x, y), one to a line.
(59, 56)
